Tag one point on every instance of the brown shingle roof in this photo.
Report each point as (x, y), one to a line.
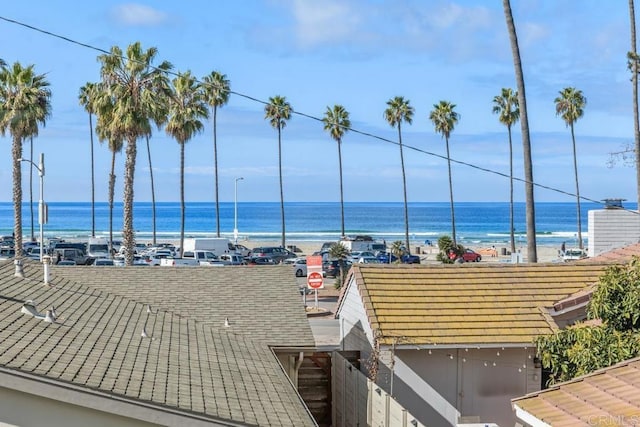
(261, 301)
(185, 364)
(466, 304)
(609, 396)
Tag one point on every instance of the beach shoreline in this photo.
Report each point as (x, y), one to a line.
(427, 253)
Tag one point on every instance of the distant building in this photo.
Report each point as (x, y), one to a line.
(612, 227)
(454, 343)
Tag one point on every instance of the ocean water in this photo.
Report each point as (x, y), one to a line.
(476, 222)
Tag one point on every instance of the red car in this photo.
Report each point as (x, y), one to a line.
(470, 256)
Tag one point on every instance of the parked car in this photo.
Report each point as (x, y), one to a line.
(34, 253)
(67, 262)
(137, 260)
(574, 254)
(386, 257)
(356, 255)
(103, 262)
(368, 260)
(470, 255)
(263, 260)
(331, 268)
(410, 259)
(70, 254)
(154, 258)
(232, 259)
(7, 253)
(242, 250)
(300, 267)
(276, 253)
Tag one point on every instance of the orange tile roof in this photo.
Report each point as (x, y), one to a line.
(467, 304)
(618, 255)
(607, 397)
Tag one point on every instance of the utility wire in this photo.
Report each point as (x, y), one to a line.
(318, 119)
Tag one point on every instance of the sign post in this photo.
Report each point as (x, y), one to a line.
(314, 275)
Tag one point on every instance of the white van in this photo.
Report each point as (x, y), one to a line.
(98, 247)
(217, 245)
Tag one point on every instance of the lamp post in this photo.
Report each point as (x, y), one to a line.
(42, 210)
(235, 211)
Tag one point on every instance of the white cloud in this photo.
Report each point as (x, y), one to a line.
(135, 14)
(532, 34)
(322, 22)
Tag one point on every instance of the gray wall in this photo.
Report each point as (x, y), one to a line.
(23, 409)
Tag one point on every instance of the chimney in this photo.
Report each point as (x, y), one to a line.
(613, 203)
(19, 271)
(46, 262)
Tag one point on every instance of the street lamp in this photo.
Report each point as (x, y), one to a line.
(235, 211)
(42, 209)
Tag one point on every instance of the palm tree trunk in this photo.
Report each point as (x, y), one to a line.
(341, 190)
(511, 229)
(215, 168)
(182, 207)
(453, 215)
(128, 236)
(532, 252)
(404, 190)
(575, 171)
(634, 82)
(281, 190)
(112, 186)
(153, 193)
(31, 186)
(16, 152)
(93, 184)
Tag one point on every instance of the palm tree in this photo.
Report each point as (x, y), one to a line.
(336, 122)
(505, 106)
(444, 120)
(104, 111)
(397, 250)
(532, 251)
(87, 100)
(216, 92)
(25, 103)
(159, 116)
(632, 63)
(186, 107)
(570, 106)
(398, 111)
(278, 111)
(133, 83)
(341, 253)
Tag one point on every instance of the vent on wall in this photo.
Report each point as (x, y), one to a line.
(613, 203)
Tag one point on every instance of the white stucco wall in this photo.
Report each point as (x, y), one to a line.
(355, 332)
(612, 228)
(469, 381)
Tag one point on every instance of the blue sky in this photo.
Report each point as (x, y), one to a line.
(358, 53)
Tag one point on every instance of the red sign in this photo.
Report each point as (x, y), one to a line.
(314, 280)
(314, 261)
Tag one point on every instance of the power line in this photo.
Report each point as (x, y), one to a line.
(318, 119)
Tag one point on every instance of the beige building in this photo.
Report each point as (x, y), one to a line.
(454, 343)
(151, 346)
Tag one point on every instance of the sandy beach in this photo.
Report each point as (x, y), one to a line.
(427, 253)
